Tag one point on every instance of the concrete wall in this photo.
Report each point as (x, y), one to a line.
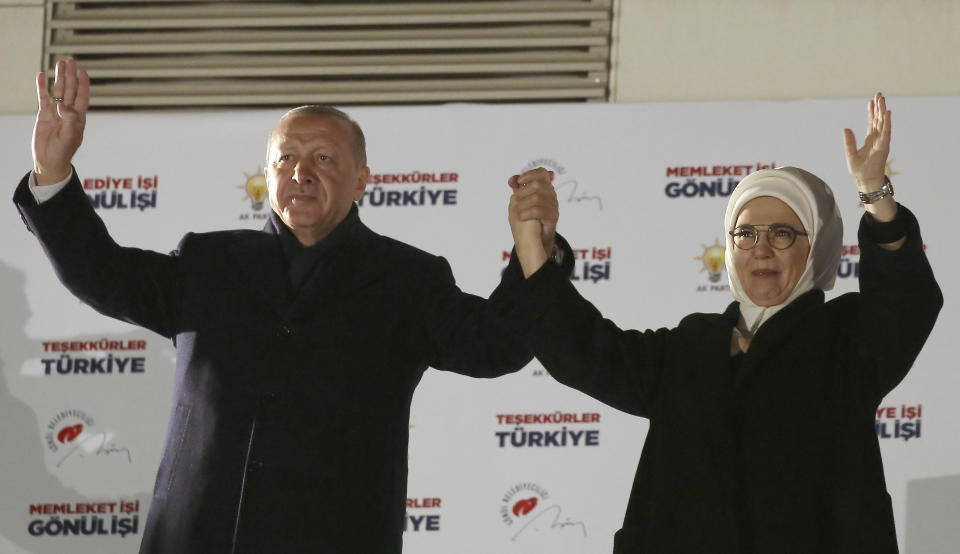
(696, 49)
(778, 49)
(21, 44)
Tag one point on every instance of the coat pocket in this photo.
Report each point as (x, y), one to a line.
(171, 451)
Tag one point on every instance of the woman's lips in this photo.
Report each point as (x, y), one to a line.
(762, 273)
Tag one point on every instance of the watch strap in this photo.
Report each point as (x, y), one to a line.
(879, 194)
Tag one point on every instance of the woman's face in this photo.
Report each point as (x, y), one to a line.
(768, 275)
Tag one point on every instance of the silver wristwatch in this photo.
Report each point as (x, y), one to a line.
(879, 194)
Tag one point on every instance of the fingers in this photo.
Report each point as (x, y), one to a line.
(867, 164)
(849, 143)
(538, 175)
(544, 212)
(877, 113)
(539, 188)
(69, 83)
(518, 223)
(534, 197)
(83, 94)
(43, 97)
(883, 116)
(885, 131)
(520, 214)
(59, 80)
(73, 87)
(539, 195)
(539, 213)
(536, 188)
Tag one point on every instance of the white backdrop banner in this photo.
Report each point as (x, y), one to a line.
(518, 464)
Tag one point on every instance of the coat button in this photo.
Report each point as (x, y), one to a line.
(269, 398)
(255, 465)
(285, 332)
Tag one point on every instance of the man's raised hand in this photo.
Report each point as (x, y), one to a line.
(60, 121)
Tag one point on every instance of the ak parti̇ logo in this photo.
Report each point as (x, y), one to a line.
(255, 191)
(713, 263)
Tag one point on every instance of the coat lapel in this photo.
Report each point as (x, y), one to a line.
(352, 266)
(717, 393)
(718, 411)
(777, 329)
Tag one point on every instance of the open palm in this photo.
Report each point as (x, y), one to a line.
(58, 131)
(868, 164)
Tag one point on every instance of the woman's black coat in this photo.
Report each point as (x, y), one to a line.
(778, 455)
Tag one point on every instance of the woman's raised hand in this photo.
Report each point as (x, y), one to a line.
(60, 122)
(868, 164)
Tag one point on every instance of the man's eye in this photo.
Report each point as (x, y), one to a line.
(323, 157)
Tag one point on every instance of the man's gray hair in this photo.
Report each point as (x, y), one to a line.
(359, 141)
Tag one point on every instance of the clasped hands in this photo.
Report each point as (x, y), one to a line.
(533, 214)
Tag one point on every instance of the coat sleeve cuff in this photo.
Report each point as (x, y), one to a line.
(46, 192)
(894, 262)
(520, 304)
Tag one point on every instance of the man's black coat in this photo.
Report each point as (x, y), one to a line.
(776, 453)
(288, 431)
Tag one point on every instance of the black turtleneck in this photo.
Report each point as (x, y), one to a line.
(300, 261)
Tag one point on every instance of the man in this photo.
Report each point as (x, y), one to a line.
(289, 427)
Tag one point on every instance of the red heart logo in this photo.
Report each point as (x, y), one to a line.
(67, 434)
(524, 507)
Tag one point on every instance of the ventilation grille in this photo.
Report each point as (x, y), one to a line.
(196, 54)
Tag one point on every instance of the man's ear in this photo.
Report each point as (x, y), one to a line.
(362, 180)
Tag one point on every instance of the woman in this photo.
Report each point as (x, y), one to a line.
(774, 451)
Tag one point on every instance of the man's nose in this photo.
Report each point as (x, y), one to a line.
(303, 174)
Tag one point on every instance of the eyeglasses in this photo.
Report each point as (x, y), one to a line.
(779, 235)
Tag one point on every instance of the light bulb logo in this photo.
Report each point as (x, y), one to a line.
(255, 188)
(713, 260)
(888, 170)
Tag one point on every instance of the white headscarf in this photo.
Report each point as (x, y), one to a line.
(813, 202)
